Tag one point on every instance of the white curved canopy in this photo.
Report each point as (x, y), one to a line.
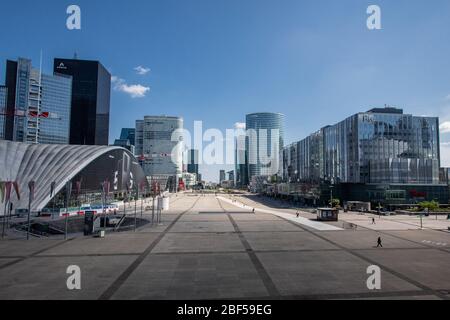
(44, 164)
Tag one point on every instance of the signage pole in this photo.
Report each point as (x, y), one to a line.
(68, 192)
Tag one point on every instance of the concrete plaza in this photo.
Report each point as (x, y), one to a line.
(212, 247)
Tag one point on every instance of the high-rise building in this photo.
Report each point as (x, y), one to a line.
(127, 139)
(222, 176)
(128, 134)
(231, 175)
(3, 99)
(444, 176)
(241, 160)
(265, 140)
(193, 162)
(91, 91)
(382, 155)
(139, 138)
(17, 80)
(38, 105)
(159, 152)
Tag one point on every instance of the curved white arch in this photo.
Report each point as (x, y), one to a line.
(44, 164)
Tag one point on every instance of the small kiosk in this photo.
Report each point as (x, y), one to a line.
(327, 214)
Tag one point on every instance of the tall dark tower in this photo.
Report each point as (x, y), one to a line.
(91, 91)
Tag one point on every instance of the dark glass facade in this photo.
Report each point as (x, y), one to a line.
(193, 161)
(371, 147)
(3, 99)
(128, 134)
(383, 156)
(91, 90)
(119, 167)
(17, 81)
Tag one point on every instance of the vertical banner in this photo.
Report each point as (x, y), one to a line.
(8, 187)
(16, 188)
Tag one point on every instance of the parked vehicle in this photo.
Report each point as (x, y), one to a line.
(97, 209)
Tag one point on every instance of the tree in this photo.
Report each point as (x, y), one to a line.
(430, 205)
(335, 203)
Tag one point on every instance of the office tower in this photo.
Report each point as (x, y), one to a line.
(241, 160)
(381, 155)
(139, 138)
(231, 175)
(128, 134)
(91, 90)
(444, 176)
(160, 151)
(127, 139)
(193, 164)
(17, 80)
(3, 99)
(265, 140)
(38, 105)
(222, 177)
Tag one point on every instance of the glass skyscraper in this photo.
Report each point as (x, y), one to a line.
(193, 162)
(54, 122)
(38, 105)
(91, 91)
(375, 147)
(265, 140)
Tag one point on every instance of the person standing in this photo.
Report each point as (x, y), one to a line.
(373, 221)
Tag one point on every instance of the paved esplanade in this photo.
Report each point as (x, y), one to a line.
(213, 247)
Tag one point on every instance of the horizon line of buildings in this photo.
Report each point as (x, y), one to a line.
(382, 155)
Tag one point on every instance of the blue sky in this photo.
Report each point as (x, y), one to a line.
(216, 60)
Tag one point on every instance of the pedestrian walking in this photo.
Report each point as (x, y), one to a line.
(373, 221)
(298, 214)
(379, 243)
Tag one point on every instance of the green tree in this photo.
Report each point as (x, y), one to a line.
(335, 203)
(430, 205)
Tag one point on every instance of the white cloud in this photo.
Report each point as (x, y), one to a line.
(142, 70)
(445, 127)
(239, 125)
(134, 90)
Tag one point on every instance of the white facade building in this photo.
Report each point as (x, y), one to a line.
(158, 145)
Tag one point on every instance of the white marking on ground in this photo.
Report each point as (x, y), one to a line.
(300, 220)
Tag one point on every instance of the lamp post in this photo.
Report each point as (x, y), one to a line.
(31, 186)
(68, 192)
(331, 200)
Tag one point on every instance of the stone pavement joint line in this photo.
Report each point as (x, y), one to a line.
(306, 222)
(127, 273)
(265, 277)
(20, 259)
(372, 262)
